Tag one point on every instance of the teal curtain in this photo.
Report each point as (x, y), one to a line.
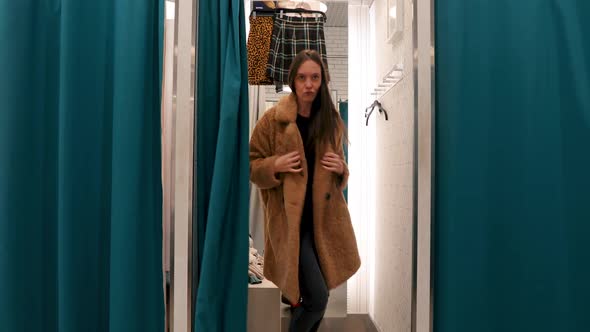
(222, 168)
(512, 220)
(343, 108)
(80, 189)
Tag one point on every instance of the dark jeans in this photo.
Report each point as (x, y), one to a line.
(314, 292)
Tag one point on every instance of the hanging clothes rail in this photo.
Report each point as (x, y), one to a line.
(277, 35)
(264, 9)
(281, 11)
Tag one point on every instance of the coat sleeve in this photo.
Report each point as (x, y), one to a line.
(343, 179)
(262, 157)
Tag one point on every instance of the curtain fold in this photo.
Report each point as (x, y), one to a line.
(80, 189)
(222, 168)
(511, 166)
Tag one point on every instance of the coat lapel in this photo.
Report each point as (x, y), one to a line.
(294, 184)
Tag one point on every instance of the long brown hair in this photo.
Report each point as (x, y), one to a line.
(325, 120)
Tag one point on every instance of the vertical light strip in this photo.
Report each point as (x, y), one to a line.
(355, 149)
(183, 167)
(358, 287)
(362, 156)
(424, 25)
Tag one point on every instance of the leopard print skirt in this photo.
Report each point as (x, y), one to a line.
(258, 47)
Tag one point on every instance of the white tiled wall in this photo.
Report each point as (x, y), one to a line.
(337, 49)
(394, 179)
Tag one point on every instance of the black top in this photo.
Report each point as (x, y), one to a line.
(309, 147)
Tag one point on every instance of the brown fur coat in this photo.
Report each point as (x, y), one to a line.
(276, 134)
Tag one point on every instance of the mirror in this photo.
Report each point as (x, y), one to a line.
(365, 65)
(263, 97)
(364, 68)
(395, 22)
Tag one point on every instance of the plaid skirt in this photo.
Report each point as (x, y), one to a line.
(291, 35)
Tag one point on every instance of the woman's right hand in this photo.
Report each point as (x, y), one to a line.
(288, 163)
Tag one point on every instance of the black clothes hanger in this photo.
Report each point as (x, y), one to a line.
(272, 12)
(262, 12)
(380, 108)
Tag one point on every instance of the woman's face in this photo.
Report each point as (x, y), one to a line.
(308, 81)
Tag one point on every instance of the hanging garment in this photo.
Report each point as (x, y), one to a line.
(258, 49)
(291, 35)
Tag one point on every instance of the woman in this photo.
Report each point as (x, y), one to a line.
(297, 161)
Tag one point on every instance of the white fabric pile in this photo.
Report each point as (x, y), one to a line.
(255, 266)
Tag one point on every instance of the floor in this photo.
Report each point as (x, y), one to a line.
(350, 323)
(335, 319)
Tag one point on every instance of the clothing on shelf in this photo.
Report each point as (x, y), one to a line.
(253, 280)
(255, 265)
(265, 5)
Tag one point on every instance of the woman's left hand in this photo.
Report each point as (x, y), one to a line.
(333, 163)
